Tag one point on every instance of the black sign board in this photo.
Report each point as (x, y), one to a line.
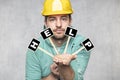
(34, 44)
(46, 33)
(71, 32)
(87, 44)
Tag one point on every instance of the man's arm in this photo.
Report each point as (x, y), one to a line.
(33, 71)
(49, 77)
(65, 70)
(54, 75)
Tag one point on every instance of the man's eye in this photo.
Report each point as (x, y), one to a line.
(52, 19)
(64, 19)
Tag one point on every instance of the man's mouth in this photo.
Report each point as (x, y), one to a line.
(58, 31)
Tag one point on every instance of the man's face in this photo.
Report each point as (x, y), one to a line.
(58, 24)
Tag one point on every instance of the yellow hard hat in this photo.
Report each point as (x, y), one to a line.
(52, 7)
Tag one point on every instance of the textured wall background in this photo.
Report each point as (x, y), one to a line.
(20, 21)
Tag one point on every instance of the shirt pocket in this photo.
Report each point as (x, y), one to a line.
(75, 47)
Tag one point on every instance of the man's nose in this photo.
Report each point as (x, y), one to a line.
(58, 23)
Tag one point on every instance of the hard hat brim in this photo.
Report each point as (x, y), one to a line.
(56, 13)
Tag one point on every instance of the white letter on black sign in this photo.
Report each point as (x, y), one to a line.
(88, 44)
(34, 44)
(70, 33)
(47, 33)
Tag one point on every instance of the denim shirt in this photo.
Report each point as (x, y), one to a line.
(38, 63)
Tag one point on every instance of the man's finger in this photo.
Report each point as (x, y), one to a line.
(74, 57)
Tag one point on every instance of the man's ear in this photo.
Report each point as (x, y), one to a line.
(45, 24)
(70, 21)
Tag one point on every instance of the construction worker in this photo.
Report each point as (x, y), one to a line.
(63, 66)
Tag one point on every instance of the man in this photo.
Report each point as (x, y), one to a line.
(63, 66)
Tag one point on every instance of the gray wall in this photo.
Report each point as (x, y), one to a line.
(20, 21)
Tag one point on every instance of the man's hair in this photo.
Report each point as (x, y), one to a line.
(70, 17)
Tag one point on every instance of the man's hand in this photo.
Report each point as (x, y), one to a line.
(65, 70)
(64, 59)
(54, 75)
(54, 70)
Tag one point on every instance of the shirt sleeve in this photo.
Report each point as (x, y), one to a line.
(33, 71)
(82, 62)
